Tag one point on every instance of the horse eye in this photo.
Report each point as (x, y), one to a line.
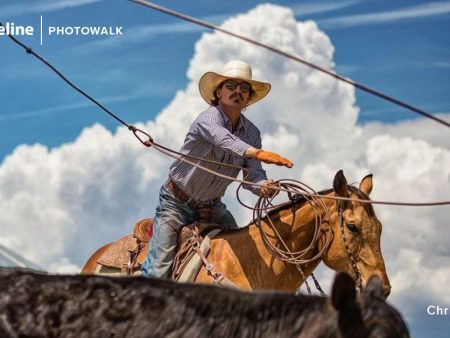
(352, 227)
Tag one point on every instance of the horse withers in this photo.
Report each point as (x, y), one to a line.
(347, 239)
(39, 305)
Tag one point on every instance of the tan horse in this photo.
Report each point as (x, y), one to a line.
(355, 231)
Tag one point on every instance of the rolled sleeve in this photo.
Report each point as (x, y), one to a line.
(257, 175)
(210, 127)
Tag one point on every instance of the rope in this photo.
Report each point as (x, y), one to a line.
(292, 57)
(272, 242)
(70, 83)
(285, 254)
(178, 156)
(305, 194)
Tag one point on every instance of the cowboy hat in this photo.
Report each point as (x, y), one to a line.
(235, 69)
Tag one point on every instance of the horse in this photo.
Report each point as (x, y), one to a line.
(41, 305)
(346, 239)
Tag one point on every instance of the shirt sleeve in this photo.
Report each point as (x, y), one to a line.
(257, 174)
(211, 128)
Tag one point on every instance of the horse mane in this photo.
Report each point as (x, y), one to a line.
(300, 200)
(363, 196)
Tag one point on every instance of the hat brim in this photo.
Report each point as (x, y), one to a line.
(210, 81)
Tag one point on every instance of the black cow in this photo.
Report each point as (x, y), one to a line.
(39, 305)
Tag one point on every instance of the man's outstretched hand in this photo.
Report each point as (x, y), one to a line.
(272, 158)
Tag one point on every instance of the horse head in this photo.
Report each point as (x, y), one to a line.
(355, 248)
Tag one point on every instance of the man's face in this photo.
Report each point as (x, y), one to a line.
(234, 94)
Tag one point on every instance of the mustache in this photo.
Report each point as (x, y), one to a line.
(237, 95)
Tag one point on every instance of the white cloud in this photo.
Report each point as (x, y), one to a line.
(422, 129)
(58, 205)
(64, 267)
(419, 11)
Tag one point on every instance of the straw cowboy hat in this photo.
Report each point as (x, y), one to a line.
(237, 70)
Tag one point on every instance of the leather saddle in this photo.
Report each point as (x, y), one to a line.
(128, 253)
(129, 249)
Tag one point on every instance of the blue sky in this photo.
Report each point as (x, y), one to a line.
(401, 49)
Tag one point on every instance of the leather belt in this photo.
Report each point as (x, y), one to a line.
(178, 193)
(183, 197)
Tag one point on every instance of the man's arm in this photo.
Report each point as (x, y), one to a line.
(210, 128)
(267, 190)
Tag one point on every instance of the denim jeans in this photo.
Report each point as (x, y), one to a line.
(171, 215)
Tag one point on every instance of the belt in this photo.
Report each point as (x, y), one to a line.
(183, 197)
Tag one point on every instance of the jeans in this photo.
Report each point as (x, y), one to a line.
(171, 215)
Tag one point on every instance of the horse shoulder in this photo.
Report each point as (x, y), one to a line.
(224, 255)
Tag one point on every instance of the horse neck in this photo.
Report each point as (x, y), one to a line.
(297, 225)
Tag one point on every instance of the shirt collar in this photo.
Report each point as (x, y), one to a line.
(241, 122)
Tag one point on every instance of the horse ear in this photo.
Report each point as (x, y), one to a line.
(343, 299)
(366, 184)
(340, 184)
(343, 294)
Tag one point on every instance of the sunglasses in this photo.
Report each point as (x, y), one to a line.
(232, 85)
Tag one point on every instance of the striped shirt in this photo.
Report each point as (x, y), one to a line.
(211, 137)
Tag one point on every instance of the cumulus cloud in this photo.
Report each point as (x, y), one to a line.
(58, 205)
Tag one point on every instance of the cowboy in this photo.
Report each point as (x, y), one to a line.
(222, 134)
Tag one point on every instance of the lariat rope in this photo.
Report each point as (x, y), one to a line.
(285, 254)
(291, 57)
(140, 134)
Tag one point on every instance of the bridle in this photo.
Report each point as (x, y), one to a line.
(356, 270)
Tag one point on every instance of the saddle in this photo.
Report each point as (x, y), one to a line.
(129, 249)
(125, 256)
(187, 262)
